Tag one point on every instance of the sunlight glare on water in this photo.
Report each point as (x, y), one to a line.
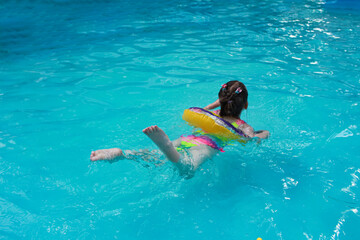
(76, 76)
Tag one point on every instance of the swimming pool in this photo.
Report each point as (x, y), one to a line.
(76, 77)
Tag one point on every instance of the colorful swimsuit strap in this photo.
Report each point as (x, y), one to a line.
(238, 131)
(238, 123)
(202, 140)
(217, 112)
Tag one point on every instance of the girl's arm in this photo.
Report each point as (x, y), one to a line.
(213, 105)
(249, 130)
(262, 134)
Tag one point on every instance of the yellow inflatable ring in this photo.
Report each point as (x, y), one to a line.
(212, 124)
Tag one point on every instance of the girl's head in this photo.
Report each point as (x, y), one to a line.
(233, 99)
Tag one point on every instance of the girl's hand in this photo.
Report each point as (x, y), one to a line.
(262, 134)
(213, 105)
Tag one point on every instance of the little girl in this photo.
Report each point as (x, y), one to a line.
(188, 153)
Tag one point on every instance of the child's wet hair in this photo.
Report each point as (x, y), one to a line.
(233, 98)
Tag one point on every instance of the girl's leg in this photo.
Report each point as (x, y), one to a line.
(192, 158)
(106, 154)
(158, 136)
(154, 133)
(116, 154)
(200, 154)
(177, 142)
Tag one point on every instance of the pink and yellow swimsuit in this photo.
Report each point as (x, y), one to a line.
(211, 140)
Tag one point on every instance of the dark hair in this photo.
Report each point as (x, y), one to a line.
(233, 98)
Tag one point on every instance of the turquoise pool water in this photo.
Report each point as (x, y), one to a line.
(76, 77)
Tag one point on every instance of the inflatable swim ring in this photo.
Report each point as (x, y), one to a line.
(212, 124)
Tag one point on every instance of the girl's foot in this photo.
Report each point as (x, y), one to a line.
(106, 154)
(158, 136)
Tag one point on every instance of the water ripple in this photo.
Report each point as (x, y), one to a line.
(88, 74)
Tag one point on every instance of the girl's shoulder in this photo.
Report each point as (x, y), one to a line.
(247, 129)
(240, 122)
